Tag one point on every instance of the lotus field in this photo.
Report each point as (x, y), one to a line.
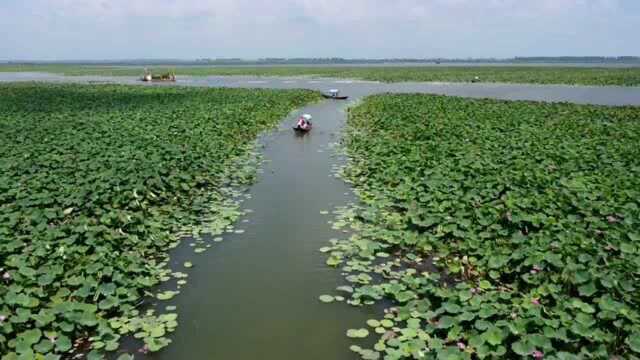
(96, 185)
(493, 229)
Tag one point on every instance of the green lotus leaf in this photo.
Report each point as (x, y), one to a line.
(367, 354)
(88, 318)
(587, 289)
(493, 336)
(108, 303)
(522, 348)
(157, 331)
(63, 343)
(373, 323)
(156, 344)
(446, 322)
(451, 308)
(357, 333)
(94, 355)
(326, 298)
(633, 340)
(166, 295)
(386, 323)
(30, 337)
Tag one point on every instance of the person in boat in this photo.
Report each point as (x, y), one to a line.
(334, 92)
(147, 75)
(304, 122)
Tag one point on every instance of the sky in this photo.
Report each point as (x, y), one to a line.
(190, 29)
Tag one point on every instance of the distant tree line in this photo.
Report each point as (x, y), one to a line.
(337, 60)
(344, 61)
(580, 59)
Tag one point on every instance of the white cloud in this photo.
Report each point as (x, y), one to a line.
(251, 28)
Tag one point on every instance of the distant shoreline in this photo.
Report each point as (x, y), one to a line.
(576, 74)
(517, 61)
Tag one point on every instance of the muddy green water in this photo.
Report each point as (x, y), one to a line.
(255, 295)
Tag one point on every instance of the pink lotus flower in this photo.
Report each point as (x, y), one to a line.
(6, 276)
(461, 345)
(2, 319)
(535, 301)
(144, 349)
(537, 354)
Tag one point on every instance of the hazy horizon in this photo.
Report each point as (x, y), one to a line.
(48, 30)
(577, 58)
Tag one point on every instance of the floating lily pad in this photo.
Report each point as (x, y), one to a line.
(357, 333)
(345, 288)
(166, 295)
(386, 323)
(373, 323)
(326, 298)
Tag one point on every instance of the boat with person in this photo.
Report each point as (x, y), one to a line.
(304, 124)
(335, 95)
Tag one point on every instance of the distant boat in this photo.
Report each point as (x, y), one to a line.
(334, 94)
(154, 78)
(337, 97)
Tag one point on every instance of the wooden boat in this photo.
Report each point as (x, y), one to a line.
(327, 96)
(300, 130)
